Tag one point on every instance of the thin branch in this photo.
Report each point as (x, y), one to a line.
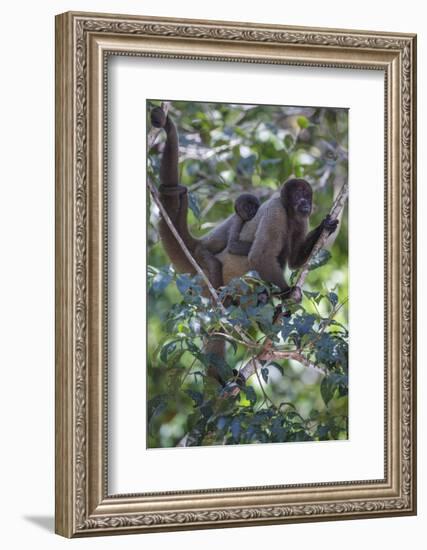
(255, 364)
(296, 356)
(261, 385)
(334, 213)
(228, 336)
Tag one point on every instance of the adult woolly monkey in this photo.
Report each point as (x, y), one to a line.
(279, 236)
(276, 236)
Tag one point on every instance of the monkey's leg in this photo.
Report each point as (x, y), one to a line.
(210, 265)
(235, 245)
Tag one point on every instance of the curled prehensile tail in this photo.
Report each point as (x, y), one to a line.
(173, 196)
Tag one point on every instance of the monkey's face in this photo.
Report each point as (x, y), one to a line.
(297, 196)
(246, 206)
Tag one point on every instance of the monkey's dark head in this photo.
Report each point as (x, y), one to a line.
(246, 206)
(297, 197)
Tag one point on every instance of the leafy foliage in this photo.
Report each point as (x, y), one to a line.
(226, 150)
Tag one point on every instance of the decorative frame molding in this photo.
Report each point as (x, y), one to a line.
(83, 43)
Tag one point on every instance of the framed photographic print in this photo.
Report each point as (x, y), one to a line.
(235, 274)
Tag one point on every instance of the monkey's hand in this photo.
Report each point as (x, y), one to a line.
(329, 225)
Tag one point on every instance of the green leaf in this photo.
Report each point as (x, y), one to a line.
(277, 429)
(235, 428)
(212, 359)
(264, 374)
(289, 142)
(192, 347)
(322, 432)
(196, 396)
(222, 423)
(325, 346)
(304, 323)
(331, 350)
(321, 258)
(183, 283)
(332, 382)
(299, 171)
(303, 122)
(193, 204)
(287, 327)
(293, 277)
(302, 435)
(193, 168)
(246, 165)
(156, 405)
(327, 390)
(333, 298)
(160, 281)
(250, 394)
(167, 349)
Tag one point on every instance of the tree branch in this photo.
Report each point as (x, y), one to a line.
(334, 213)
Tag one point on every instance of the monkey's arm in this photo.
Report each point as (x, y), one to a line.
(216, 240)
(300, 254)
(266, 248)
(235, 245)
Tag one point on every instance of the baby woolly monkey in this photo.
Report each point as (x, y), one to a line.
(246, 206)
(226, 235)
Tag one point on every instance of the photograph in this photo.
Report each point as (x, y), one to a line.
(235, 273)
(248, 274)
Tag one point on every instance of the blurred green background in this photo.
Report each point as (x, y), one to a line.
(227, 149)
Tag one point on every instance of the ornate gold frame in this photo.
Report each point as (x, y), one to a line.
(83, 42)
